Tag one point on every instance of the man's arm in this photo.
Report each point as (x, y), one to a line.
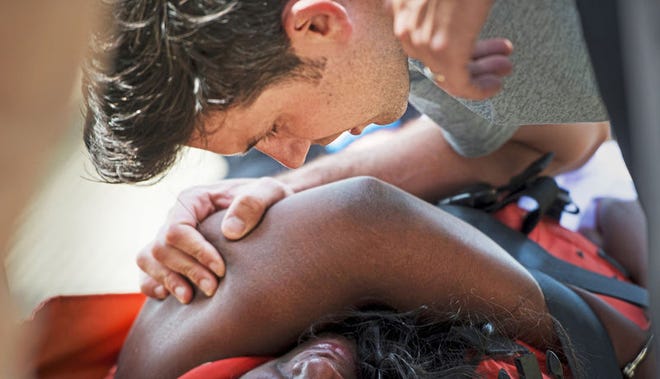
(318, 252)
(419, 160)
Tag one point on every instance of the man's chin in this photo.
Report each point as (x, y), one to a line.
(391, 116)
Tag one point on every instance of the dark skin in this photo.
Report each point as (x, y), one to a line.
(629, 245)
(347, 244)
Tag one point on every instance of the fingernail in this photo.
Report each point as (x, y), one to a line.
(233, 226)
(160, 292)
(206, 286)
(179, 292)
(218, 268)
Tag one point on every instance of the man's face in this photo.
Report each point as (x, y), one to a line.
(288, 117)
(364, 80)
(330, 357)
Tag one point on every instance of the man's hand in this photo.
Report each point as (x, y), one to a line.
(443, 35)
(180, 251)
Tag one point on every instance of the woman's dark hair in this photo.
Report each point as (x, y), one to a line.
(155, 66)
(418, 344)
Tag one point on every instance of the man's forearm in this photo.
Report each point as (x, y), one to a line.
(419, 160)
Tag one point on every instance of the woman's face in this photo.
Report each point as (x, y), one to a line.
(326, 357)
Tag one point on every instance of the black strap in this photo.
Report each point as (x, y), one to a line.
(533, 256)
(528, 367)
(587, 334)
(553, 365)
(551, 200)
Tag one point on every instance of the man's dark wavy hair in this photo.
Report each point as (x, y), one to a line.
(155, 66)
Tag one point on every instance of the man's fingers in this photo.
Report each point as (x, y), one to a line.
(197, 203)
(485, 78)
(181, 263)
(498, 65)
(249, 206)
(443, 34)
(192, 205)
(243, 215)
(493, 46)
(488, 85)
(150, 287)
(486, 74)
(187, 239)
(171, 281)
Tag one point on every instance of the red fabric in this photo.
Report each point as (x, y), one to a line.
(231, 368)
(577, 250)
(81, 336)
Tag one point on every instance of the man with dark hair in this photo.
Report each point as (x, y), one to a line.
(173, 61)
(282, 75)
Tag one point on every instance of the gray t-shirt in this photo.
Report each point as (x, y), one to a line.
(552, 80)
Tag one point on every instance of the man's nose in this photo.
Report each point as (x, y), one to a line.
(291, 152)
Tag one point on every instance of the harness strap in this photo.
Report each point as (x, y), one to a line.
(587, 333)
(553, 365)
(533, 256)
(528, 367)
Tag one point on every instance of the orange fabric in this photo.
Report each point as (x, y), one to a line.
(81, 336)
(577, 250)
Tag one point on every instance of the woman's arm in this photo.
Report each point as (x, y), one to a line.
(317, 252)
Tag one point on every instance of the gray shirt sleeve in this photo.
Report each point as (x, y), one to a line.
(552, 82)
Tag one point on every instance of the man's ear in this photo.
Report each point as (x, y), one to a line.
(316, 21)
